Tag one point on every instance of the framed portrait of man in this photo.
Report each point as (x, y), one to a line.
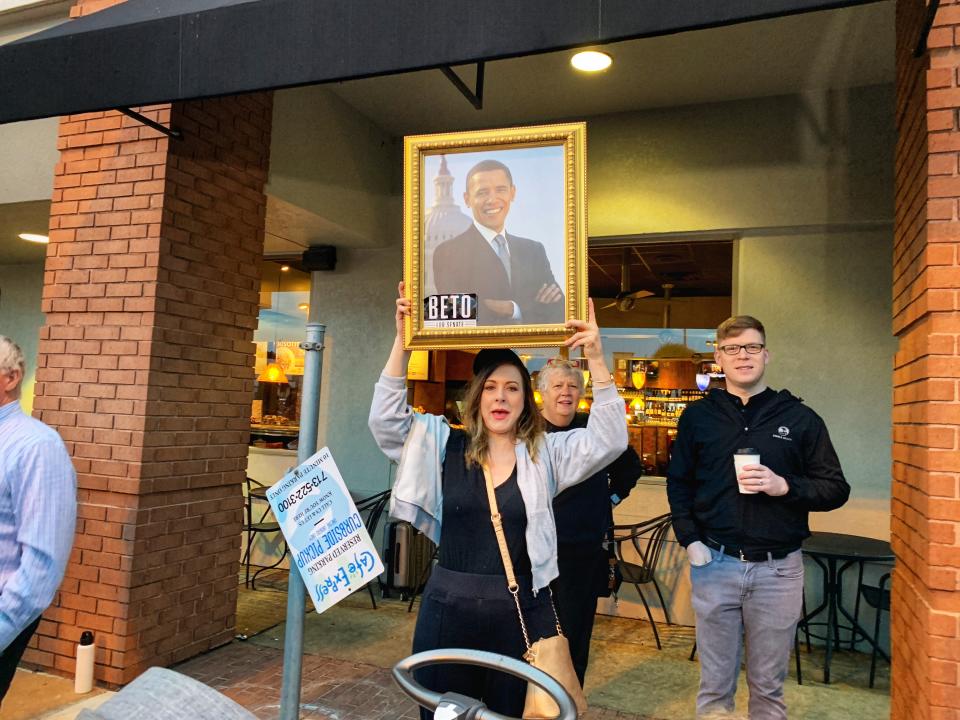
(495, 236)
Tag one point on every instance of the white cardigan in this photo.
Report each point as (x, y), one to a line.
(418, 443)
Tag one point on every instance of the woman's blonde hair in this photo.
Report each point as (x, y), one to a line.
(529, 426)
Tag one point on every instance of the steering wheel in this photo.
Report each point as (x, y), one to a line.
(470, 709)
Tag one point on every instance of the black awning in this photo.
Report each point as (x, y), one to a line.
(151, 51)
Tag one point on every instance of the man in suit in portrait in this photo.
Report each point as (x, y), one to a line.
(510, 275)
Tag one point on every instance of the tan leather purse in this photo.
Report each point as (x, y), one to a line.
(552, 654)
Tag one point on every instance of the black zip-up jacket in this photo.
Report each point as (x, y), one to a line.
(583, 513)
(702, 486)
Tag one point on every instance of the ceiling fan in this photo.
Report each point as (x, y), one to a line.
(625, 300)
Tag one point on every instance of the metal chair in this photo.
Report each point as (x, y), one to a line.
(371, 509)
(878, 598)
(257, 494)
(646, 540)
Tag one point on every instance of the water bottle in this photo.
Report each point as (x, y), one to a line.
(86, 653)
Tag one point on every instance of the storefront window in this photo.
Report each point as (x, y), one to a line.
(278, 372)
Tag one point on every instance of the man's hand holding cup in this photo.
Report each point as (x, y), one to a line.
(753, 478)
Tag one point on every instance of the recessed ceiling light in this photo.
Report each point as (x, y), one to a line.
(284, 268)
(591, 61)
(33, 237)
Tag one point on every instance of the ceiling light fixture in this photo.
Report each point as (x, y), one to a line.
(591, 61)
(284, 268)
(34, 238)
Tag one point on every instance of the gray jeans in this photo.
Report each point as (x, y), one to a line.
(753, 602)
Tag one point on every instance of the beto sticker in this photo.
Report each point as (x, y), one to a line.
(453, 310)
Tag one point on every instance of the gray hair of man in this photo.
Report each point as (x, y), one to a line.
(559, 365)
(11, 356)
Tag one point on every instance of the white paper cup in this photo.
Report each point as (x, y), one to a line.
(742, 458)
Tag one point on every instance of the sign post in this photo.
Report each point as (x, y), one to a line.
(307, 445)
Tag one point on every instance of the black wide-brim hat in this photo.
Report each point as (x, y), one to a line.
(494, 358)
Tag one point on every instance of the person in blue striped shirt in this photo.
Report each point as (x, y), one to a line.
(38, 512)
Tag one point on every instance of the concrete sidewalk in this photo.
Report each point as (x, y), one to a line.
(50, 697)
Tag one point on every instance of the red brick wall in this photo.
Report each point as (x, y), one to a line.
(926, 416)
(151, 295)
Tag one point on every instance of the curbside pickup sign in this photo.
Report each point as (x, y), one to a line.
(327, 538)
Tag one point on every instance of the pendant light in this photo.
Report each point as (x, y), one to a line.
(272, 373)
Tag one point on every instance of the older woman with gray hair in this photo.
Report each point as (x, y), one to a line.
(38, 510)
(583, 513)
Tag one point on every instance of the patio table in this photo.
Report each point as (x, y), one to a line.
(830, 550)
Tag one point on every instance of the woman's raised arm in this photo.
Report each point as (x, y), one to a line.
(390, 416)
(397, 362)
(578, 454)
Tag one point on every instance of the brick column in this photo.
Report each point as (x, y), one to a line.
(926, 415)
(145, 368)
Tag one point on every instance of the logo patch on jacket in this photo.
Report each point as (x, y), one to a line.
(783, 433)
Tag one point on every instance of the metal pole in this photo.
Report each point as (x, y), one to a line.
(307, 446)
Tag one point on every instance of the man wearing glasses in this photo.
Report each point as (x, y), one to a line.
(743, 532)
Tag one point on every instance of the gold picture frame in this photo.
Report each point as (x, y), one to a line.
(509, 234)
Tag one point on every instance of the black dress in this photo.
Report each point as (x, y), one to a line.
(466, 603)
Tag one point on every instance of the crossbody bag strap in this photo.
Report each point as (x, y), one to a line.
(497, 521)
(498, 531)
(501, 536)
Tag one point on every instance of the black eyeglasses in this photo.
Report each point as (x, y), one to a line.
(752, 348)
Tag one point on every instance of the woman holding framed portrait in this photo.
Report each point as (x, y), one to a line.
(442, 489)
